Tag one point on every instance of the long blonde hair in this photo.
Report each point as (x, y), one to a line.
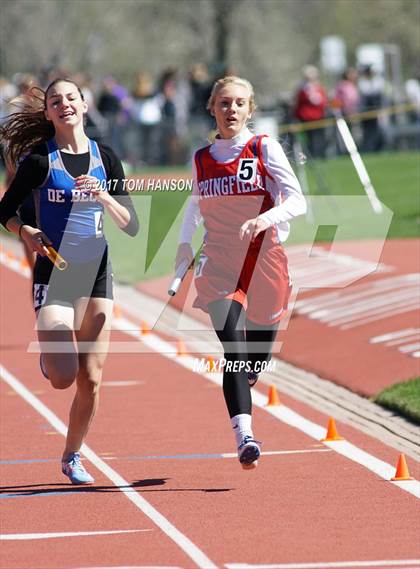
(28, 126)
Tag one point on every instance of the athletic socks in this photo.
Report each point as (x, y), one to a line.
(241, 425)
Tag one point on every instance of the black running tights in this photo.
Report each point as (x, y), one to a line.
(242, 341)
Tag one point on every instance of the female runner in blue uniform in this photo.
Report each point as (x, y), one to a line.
(74, 181)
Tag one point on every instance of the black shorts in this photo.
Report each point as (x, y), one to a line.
(91, 280)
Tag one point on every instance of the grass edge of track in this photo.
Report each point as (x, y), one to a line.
(403, 398)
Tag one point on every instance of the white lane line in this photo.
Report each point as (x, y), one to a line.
(394, 335)
(389, 313)
(24, 536)
(189, 548)
(198, 456)
(362, 303)
(410, 348)
(327, 565)
(195, 456)
(403, 341)
(275, 452)
(357, 293)
(281, 412)
(387, 310)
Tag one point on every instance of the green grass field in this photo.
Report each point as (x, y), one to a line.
(338, 199)
(402, 397)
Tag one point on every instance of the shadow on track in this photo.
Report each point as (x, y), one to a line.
(54, 489)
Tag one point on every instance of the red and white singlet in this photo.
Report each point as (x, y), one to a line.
(254, 274)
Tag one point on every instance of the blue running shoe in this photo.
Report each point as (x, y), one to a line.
(41, 365)
(72, 467)
(252, 378)
(249, 452)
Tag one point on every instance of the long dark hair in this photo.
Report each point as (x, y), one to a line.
(28, 126)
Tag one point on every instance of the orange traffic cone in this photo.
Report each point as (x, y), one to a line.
(273, 398)
(24, 263)
(181, 350)
(117, 311)
(144, 328)
(402, 470)
(332, 434)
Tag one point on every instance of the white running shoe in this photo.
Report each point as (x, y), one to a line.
(248, 452)
(72, 467)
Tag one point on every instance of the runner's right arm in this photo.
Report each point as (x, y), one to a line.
(192, 219)
(30, 174)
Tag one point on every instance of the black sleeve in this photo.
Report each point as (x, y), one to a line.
(30, 175)
(115, 174)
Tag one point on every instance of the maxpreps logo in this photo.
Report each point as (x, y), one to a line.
(207, 365)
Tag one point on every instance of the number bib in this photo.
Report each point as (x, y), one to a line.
(247, 170)
(40, 295)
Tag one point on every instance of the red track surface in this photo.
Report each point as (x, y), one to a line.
(316, 507)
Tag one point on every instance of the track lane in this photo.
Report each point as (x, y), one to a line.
(276, 498)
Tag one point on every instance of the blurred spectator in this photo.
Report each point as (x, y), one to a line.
(347, 93)
(96, 125)
(412, 89)
(21, 83)
(311, 104)
(200, 87)
(169, 138)
(7, 92)
(372, 90)
(52, 72)
(174, 94)
(24, 81)
(113, 104)
(146, 114)
(200, 121)
(347, 102)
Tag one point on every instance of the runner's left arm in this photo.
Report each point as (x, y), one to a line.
(288, 190)
(116, 200)
(285, 190)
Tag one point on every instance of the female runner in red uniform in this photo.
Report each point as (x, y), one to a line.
(245, 191)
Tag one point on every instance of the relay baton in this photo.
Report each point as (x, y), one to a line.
(179, 277)
(56, 259)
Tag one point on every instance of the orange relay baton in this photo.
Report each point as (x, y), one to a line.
(56, 259)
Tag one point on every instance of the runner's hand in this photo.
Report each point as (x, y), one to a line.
(35, 239)
(91, 185)
(184, 253)
(252, 228)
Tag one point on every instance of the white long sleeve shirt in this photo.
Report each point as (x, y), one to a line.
(283, 185)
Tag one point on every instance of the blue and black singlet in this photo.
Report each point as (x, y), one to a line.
(73, 220)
